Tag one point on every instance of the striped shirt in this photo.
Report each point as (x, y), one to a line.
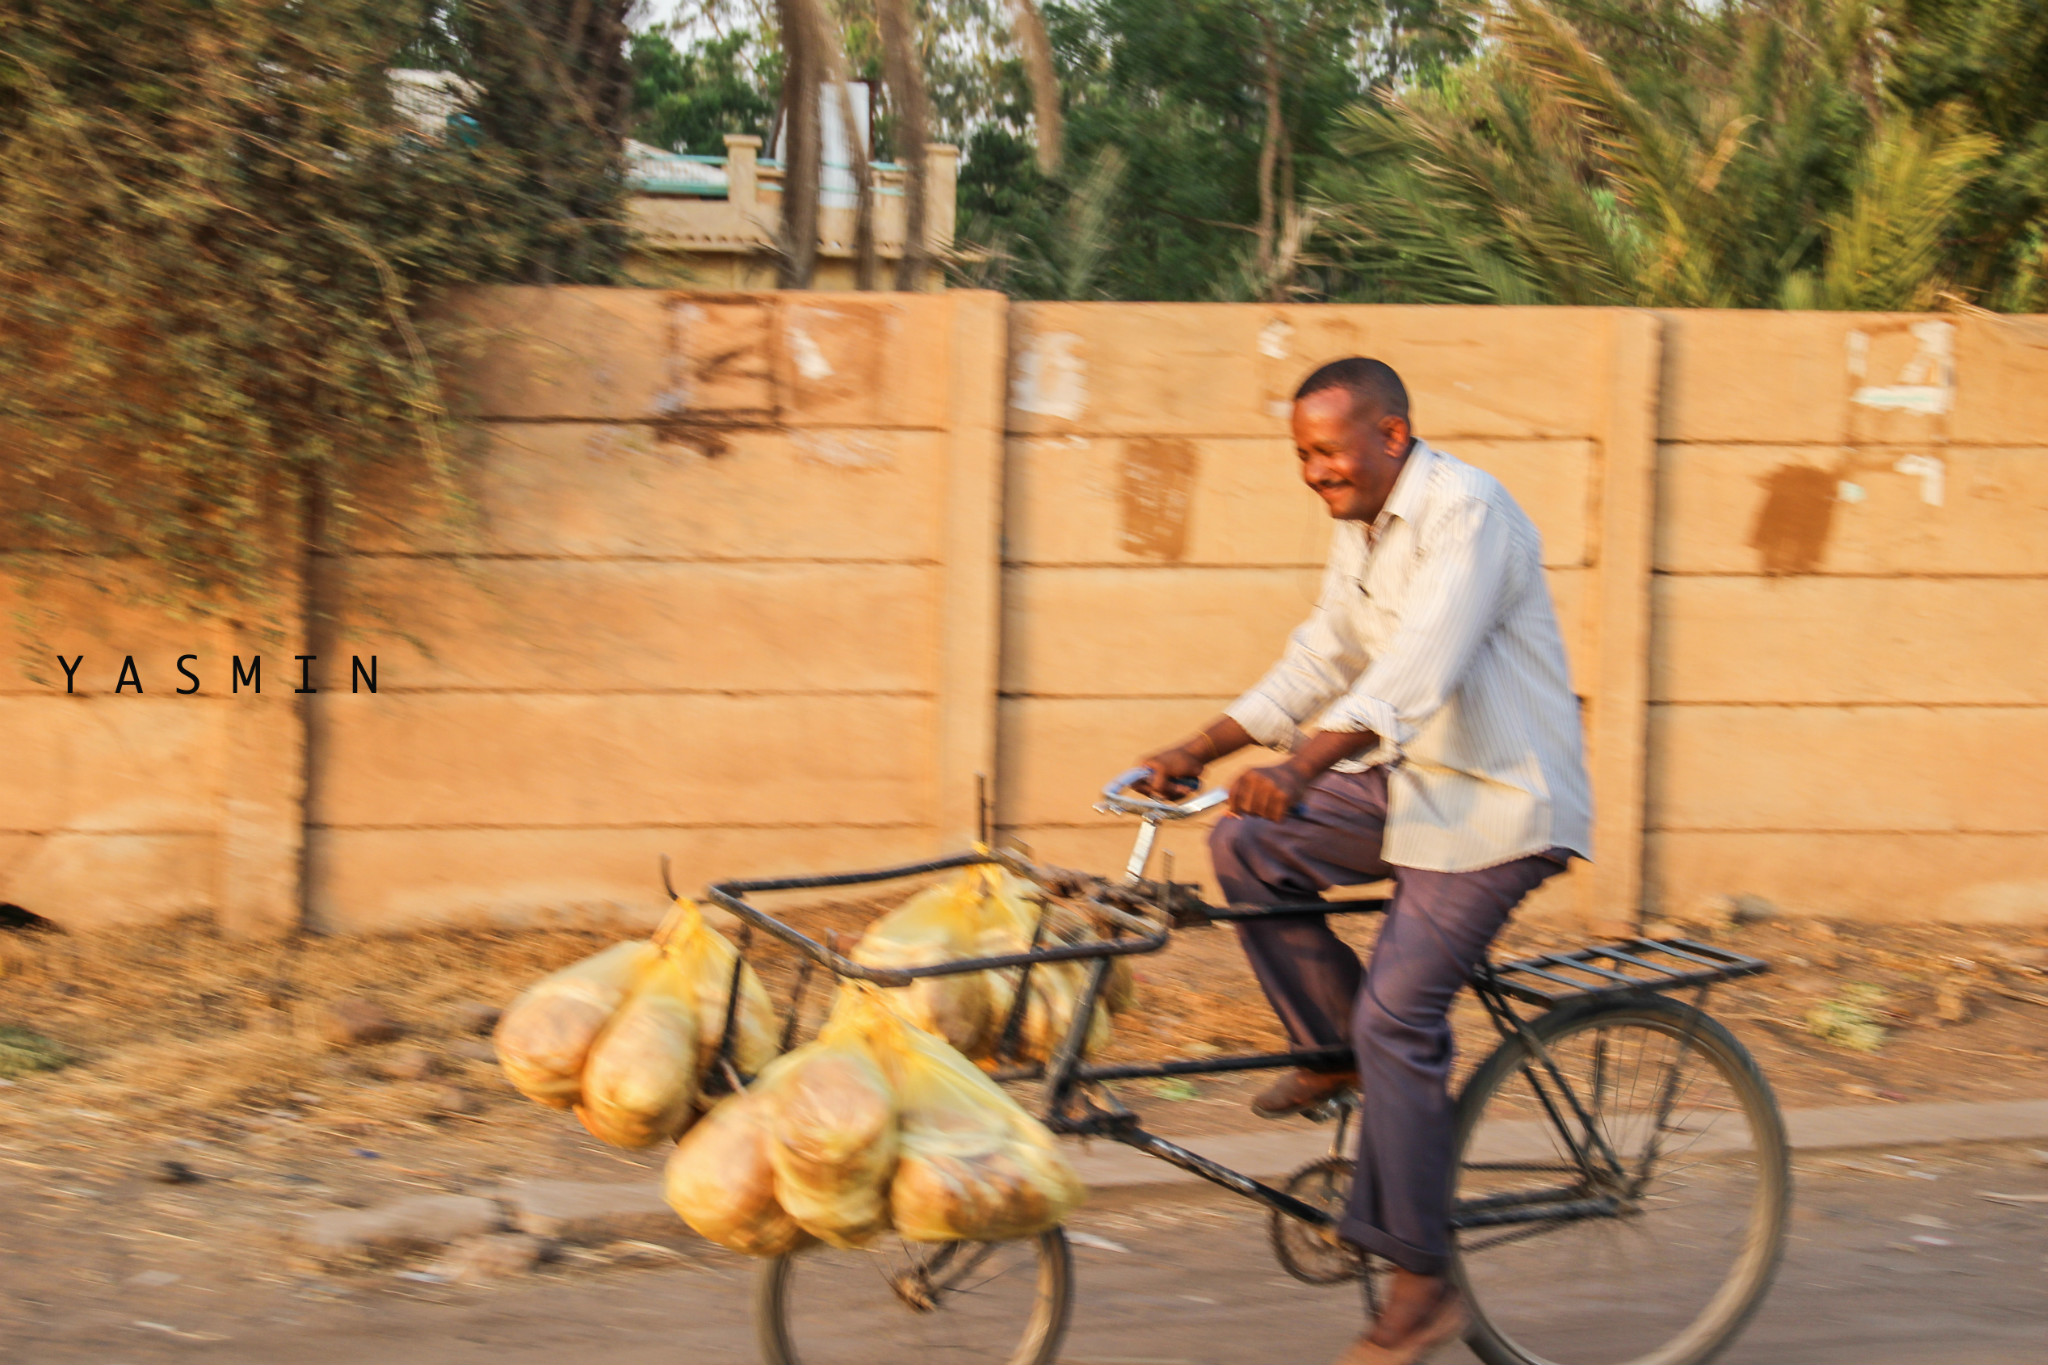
(1434, 631)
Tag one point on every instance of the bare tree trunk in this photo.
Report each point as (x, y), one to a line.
(800, 157)
(1045, 83)
(832, 45)
(905, 72)
(1269, 147)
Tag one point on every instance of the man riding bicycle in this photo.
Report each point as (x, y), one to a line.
(1447, 756)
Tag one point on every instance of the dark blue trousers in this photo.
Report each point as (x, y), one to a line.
(1393, 1011)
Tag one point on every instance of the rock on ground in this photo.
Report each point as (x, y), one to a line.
(588, 1212)
(492, 1255)
(421, 1222)
(352, 1022)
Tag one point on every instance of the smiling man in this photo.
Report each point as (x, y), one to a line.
(1446, 756)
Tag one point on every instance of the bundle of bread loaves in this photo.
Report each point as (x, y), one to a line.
(875, 1125)
(987, 911)
(625, 1036)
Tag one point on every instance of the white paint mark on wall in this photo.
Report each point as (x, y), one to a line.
(1848, 492)
(1273, 339)
(1933, 475)
(840, 450)
(810, 361)
(1051, 377)
(1279, 407)
(1926, 384)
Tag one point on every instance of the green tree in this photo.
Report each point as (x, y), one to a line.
(1221, 112)
(686, 99)
(219, 242)
(1756, 154)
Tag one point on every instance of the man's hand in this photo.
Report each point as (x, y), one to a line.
(1175, 773)
(1269, 793)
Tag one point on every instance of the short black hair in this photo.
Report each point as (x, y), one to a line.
(1371, 383)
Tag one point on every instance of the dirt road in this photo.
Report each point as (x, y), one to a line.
(1891, 1261)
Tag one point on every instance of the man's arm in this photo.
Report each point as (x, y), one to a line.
(1272, 793)
(1177, 770)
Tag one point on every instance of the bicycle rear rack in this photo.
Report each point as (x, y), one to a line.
(1638, 964)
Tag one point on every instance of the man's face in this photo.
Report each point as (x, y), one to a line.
(1350, 452)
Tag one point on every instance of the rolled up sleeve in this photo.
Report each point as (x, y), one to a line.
(1454, 600)
(1322, 659)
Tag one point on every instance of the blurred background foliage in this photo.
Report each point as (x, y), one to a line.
(220, 233)
(1867, 154)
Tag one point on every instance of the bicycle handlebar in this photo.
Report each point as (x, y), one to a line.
(1115, 802)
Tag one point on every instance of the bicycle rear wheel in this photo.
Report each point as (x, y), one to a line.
(1663, 1238)
(906, 1303)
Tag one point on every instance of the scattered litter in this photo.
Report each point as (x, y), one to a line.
(169, 1330)
(1197, 1298)
(422, 1277)
(1924, 1220)
(1997, 1198)
(1910, 1161)
(366, 1153)
(1089, 1239)
(154, 1279)
(1924, 1240)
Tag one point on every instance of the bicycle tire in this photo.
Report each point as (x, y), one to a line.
(1038, 1343)
(1731, 1304)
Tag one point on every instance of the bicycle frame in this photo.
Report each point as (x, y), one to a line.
(1148, 911)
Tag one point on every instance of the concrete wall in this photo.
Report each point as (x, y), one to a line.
(763, 582)
(1849, 659)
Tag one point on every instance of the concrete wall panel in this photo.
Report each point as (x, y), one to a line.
(539, 760)
(116, 764)
(530, 624)
(1220, 369)
(557, 488)
(89, 877)
(1830, 640)
(378, 881)
(1887, 877)
(1774, 508)
(1057, 752)
(1875, 768)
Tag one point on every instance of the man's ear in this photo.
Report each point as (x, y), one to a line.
(1395, 429)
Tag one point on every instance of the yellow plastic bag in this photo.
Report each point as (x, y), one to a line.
(942, 923)
(973, 1165)
(1009, 920)
(640, 1082)
(832, 1138)
(721, 1182)
(988, 911)
(705, 959)
(546, 1035)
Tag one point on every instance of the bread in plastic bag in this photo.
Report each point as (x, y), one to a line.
(705, 957)
(546, 1035)
(973, 1165)
(640, 1081)
(942, 923)
(833, 1135)
(988, 911)
(721, 1182)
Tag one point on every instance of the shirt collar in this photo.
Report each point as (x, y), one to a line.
(1410, 486)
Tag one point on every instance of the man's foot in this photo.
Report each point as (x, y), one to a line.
(1424, 1331)
(1301, 1090)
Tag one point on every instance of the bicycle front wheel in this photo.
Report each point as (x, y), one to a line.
(1633, 1214)
(907, 1303)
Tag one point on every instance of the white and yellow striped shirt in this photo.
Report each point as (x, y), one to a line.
(1434, 630)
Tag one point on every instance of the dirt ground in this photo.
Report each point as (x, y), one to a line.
(203, 1112)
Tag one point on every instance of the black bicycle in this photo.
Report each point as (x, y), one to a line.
(1623, 1175)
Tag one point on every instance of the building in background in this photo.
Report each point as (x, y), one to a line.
(711, 222)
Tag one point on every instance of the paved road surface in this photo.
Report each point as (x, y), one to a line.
(1193, 1285)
